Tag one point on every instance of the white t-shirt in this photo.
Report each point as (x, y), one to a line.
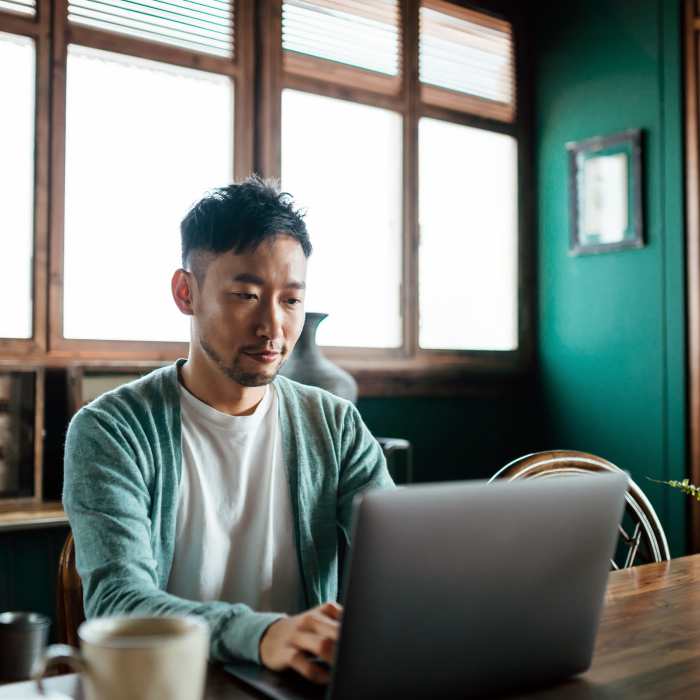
(234, 531)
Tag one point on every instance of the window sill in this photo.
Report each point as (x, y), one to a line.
(16, 515)
(428, 374)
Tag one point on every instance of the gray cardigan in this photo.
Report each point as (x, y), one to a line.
(122, 473)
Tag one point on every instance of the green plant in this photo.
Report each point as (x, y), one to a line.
(684, 486)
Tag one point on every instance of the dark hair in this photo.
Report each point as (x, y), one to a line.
(238, 218)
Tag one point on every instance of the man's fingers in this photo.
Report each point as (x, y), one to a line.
(322, 647)
(321, 625)
(289, 642)
(333, 610)
(309, 669)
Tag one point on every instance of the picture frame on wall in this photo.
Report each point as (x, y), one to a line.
(605, 193)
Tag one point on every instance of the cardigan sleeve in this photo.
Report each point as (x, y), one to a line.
(107, 500)
(363, 466)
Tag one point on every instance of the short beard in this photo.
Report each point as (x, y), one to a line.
(234, 372)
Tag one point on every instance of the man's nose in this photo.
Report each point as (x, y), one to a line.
(269, 321)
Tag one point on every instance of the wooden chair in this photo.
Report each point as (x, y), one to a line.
(642, 538)
(69, 596)
(402, 473)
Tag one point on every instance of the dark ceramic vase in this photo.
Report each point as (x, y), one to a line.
(307, 365)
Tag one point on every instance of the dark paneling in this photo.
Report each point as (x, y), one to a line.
(28, 570)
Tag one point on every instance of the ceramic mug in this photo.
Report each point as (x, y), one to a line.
(23, 637)
(136, 658)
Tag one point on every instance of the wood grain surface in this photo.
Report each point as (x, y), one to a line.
(648, 644)
(18, 514)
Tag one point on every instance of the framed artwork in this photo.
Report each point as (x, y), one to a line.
(605, 193)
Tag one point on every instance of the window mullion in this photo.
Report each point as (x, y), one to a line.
(268, 135)
(19, 24)
(244, 107)
(42, 178)
(59, 53)
(410, 87)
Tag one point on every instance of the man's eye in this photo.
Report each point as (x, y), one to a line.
(293, 302)
(245, 296)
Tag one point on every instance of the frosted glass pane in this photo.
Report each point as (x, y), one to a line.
(468, 259)
(201, 25)
(143, 141)
(23, 7)
(366, 35)
(17, 86)
(470, 54)
(342, 162)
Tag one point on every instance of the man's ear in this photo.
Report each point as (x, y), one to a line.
(182, 286)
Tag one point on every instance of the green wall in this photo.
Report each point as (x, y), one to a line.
(460, 438)
(29, 571)
(611, 326)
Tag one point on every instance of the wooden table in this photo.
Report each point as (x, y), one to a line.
(648, 646)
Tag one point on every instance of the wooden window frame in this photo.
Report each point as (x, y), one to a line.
(240, 69)
(52, 32)
(458, 101)
(259, 75)
(38, 28)
(409, 369)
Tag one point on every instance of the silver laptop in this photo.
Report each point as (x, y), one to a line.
(469, 588)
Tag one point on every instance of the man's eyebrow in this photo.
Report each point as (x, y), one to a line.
(250, 278)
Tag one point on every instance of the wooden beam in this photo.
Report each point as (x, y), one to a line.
(244, 118)
(411, 232)
(42, 154)
(57, 129)
(692, 183)
(18, 24)
(340, 74)
(142, 48)
(360, 95)
(268, 158)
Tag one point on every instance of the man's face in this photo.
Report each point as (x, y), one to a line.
(249, 311)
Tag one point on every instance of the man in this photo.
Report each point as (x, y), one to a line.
(214, 486)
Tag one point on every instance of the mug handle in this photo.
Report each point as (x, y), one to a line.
(53, 656)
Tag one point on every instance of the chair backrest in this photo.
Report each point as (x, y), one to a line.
(69, 596)
(642, 538)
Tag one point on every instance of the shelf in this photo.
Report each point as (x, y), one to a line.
(30, 516)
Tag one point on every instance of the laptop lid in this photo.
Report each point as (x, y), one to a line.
(469, 588)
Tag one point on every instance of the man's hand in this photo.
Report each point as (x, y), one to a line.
(292, 642)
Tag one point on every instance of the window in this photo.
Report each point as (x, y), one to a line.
(120, 252)
(468, 263)
(394, 123)
(155, 108)
(23, 7)
(346, 36)
(432, 272)
(17, 81)
(466, 60)
(342, 162)
(204, 27)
